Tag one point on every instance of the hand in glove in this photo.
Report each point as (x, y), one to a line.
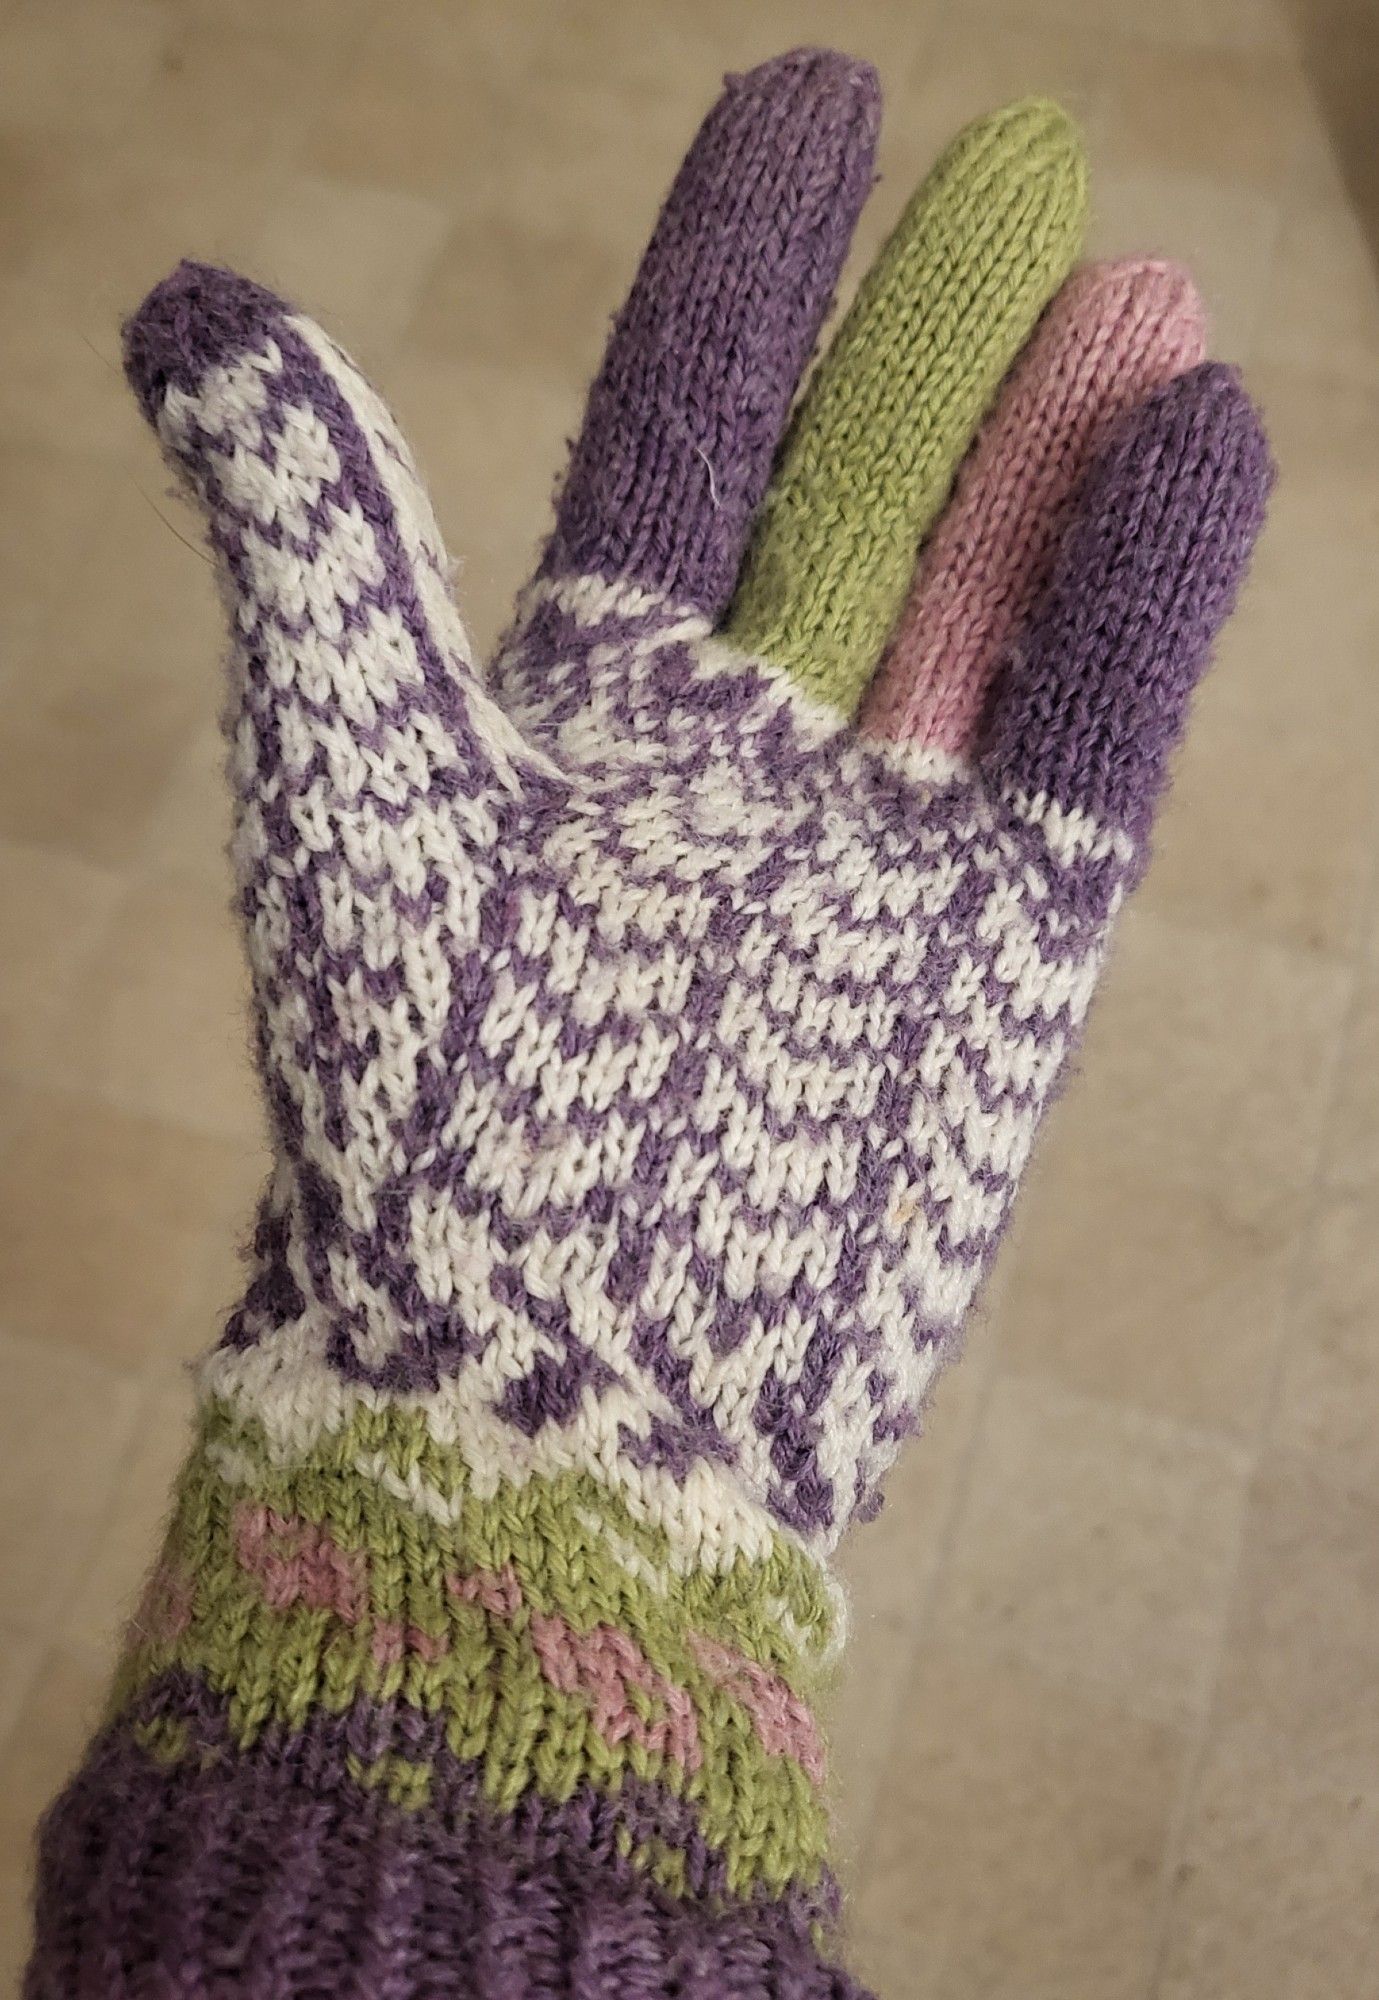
(653, 1029)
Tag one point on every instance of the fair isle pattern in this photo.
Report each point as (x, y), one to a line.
(541, 1639)
(286, 1388)
(664, 1072)
(400, 1757)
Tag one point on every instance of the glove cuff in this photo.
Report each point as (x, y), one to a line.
(175, 1864)
(382, 1718)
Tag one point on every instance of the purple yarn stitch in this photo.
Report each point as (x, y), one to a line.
(270, 1876)
(687, 410)
(1095, 699)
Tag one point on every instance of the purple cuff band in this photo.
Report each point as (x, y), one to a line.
(273, 1877)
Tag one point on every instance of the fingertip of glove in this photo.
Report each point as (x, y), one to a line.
(1206, 438)
(843, 85)
(1040, 129)
(1035, 147)
(197, 318)
(1142, 303)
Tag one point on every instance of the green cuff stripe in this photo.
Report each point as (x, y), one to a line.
(535, 1623)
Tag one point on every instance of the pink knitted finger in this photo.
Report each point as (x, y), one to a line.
(1114, 334)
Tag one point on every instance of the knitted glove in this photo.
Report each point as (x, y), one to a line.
(651, 1056)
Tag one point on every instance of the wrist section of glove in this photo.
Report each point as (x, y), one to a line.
(389, 1724)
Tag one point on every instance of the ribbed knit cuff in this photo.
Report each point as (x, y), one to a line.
(270, 1877)
(273, 1875)
(386, 1728)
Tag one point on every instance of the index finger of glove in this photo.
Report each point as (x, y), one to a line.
(683, 420)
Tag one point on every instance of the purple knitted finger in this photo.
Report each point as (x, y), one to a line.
(683, 420)
(1095, 696)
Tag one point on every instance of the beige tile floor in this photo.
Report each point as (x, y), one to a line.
(1112, 1721)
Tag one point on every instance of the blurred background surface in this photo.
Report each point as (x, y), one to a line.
(1109, 1729)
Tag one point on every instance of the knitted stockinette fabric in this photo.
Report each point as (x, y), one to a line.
(650, 1061)
(1114, 333)
(902, 389)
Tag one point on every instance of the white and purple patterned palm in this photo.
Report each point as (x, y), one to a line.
(648, 1053)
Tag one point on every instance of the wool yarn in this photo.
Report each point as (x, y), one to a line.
(948, 304)
(1114, 333)
(650, 1060)
(687, 410)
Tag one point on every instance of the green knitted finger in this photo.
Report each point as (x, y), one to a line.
(871, 453)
